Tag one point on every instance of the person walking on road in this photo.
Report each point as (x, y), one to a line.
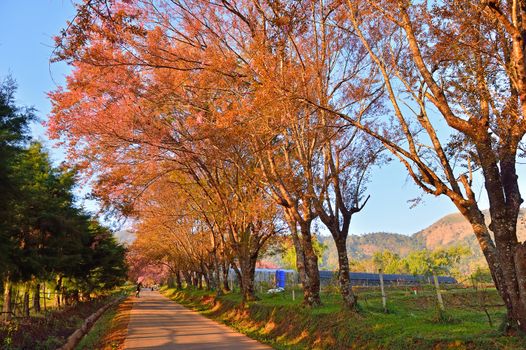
(138, 290)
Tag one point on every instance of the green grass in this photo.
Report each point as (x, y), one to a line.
(103, 324)
(99, 330)
(412, 321)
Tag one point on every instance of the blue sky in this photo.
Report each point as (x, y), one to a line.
(26, 43)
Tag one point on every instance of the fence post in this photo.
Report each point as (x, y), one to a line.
(384, 297)
(439, 295)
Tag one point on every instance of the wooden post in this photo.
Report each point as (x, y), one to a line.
(8, 293)
(384, 297)
(36, 298)
(293, 295)
(439, 295)
(44, 292)
(25, 303)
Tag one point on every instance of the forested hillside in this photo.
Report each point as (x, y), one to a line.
(450, 230)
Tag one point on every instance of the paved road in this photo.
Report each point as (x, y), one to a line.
(156, 322)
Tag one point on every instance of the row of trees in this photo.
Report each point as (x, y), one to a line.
(252, 114)
(44, 236)
(420, 262)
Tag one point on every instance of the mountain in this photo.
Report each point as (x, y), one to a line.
(362, 247)
(448, 231)
(454, 228)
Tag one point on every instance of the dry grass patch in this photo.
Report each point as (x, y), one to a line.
(116, 331)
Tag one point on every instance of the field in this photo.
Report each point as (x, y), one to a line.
(412, 321)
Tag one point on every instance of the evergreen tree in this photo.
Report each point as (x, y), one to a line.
(43, 234)
(14, 122)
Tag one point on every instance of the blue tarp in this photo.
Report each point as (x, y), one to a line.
(280, 278)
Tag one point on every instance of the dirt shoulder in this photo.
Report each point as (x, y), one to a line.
(111, 334)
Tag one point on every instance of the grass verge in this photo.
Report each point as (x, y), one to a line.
(411, 323)
(109, 332)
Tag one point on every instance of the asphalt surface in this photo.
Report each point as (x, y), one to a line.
(157, 322)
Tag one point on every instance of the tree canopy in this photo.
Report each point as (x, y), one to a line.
(44, 233)
(295, 102)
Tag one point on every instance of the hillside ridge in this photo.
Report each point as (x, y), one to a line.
(450, 230)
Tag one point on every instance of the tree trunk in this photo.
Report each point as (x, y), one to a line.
(511, 256)
(349, 299)
(300, 262)
(306, 260)
(187, 278)
(239, 277)
(520, 263)
(170, 281)
(195, 280)
(45, 296)
(198, 280)
(300, 255)
(7, 306)
(248, 270)
(205, 274)
(178, 281)
(76, 296)
(65, 300)
(58, 289)
(216, 275)
(505, 260)
(207, 280)
(15, 301)
(311, 291)
(36, 298)
(25, 304)
(500, 181)
(224, 270)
